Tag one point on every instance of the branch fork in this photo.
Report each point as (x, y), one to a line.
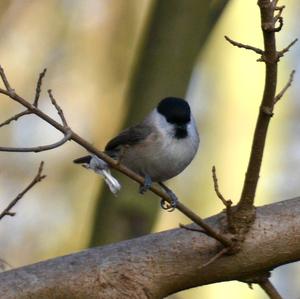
(270, 24)
(31, 110)
(264, 57)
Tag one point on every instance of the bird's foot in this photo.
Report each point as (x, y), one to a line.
(147, 184)
(169, 206)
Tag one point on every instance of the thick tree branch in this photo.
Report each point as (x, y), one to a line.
(260, 134)
(160, 264)
(245, 212)
(270, 57)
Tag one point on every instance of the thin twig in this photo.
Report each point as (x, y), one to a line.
(37, 149)
(280, 8)
(198, 220)
(215, 257)
(286, 49)
(280, 20)
(57, 107)
(193, 229)
(285, 88)
(278, 17)
(269, 288)
(15, 117)
(247, 47)
(5, 81)
(37, 178)
(227, 202)
(38, 87)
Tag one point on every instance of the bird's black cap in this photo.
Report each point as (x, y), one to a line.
(175, 110)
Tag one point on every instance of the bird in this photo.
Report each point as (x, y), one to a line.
(158, 148)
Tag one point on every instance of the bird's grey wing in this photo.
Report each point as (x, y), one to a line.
(130, 136)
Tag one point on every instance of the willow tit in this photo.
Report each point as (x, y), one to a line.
(158, 148)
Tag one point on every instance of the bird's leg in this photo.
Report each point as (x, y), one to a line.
(172, 205)
(147, 184)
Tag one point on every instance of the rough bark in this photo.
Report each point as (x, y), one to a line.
(159, 264)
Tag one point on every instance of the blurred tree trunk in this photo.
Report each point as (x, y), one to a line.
(173, 36)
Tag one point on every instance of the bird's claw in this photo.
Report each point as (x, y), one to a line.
(146, 185)
(169, 206)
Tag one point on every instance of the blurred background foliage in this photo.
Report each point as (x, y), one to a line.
(109, 62)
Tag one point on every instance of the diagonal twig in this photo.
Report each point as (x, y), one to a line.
(57, 107)
(227, 202)
(38, 87)
(39, 177)
(193, 229)
(285, 88)
(269, 288)
(286, 49)
(263, 280)
(222, 252)
(15, 117)
(247, 47)
(198, 220)
(5, 81)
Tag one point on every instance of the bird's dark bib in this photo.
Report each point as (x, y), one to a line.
(180, 133)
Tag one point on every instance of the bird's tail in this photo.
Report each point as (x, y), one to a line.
(83, 160)
(100, 167)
